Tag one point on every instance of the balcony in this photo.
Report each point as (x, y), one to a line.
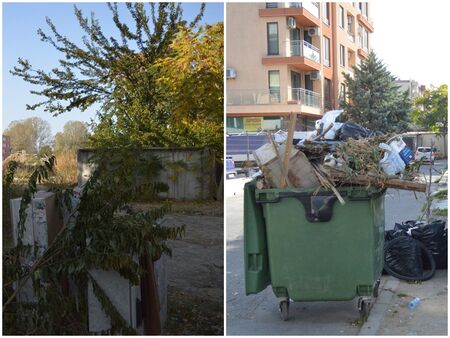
(351, 36)
(306, 97)
(254, 97)
(311, 7)
(304, 48)
(275, 102)
(366, 22)
(305, 13)
(299, 54)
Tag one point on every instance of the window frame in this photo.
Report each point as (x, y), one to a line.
(271, 4)
(268, 39)
(272, 88)
(342, 55)
(341, 17)
(327, 94)
(326, 13)
(326, 48)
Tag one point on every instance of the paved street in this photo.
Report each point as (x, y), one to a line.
(258, 314)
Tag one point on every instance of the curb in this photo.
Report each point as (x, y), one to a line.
(373, 323)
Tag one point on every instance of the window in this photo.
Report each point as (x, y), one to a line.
(272, 38)
(342, 92)
(326, 13)
(342, 55)
(364, 9)
(295, 85)
(360, 36)
(326, 51)
(366, 40)
(341, 17)
(350, 24)
(327, 94)
(274, 86)
(271, 4)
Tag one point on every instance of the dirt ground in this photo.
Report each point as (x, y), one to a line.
(195, 272)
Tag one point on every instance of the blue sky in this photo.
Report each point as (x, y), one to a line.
(20, 24)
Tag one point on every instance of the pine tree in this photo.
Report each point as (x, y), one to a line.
(374, 100)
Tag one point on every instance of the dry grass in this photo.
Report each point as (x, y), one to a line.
(66, 168)
(362, 156)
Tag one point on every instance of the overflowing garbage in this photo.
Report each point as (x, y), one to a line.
(336, 154)
(415, 250)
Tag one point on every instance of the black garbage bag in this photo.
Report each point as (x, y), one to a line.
(404, 258)
(433, 236)
(441, 258)
(355, 131)
(391, 234)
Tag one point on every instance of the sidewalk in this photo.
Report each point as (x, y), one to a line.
(390, 314)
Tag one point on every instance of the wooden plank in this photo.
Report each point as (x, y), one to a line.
(379, 182)
(287, 153)
(277, 153)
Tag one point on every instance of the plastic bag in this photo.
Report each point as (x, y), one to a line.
(405, 257)
(331, 134)
(391, 163)
(402, 149)
(328, 118)
(353, 130)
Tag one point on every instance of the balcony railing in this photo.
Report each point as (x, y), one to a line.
(311, 7)
(254, 97)
(250, 97)
(303, 48)
(306, 97)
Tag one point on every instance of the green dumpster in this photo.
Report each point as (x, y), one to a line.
(309, 247)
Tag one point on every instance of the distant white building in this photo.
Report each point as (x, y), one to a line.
(411, 86)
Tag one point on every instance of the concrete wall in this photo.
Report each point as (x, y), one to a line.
(424, 139)
(197, 181)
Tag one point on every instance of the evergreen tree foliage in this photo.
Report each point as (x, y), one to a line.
(374, 100)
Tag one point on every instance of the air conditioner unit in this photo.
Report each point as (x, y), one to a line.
(231, 73)
(314, 75)
(314, 31)
(292, 24)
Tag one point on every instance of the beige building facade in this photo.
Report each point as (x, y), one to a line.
(289, 57)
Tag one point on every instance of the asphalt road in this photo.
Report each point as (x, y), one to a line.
(258, 314)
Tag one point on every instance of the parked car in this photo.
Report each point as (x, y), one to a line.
(425, 153)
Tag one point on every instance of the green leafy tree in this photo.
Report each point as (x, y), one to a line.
(192, 78)
(117, 75)
(374, 100)
(73, 136)
(431, 111)
(45, 151)
(30, 134)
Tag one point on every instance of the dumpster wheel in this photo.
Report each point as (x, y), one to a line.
(376, 289)
(284, 309)
(364, 308)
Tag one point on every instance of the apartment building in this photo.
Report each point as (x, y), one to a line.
(411, 86)
(289, 57)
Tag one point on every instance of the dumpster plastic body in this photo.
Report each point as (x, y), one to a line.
(310, 247)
